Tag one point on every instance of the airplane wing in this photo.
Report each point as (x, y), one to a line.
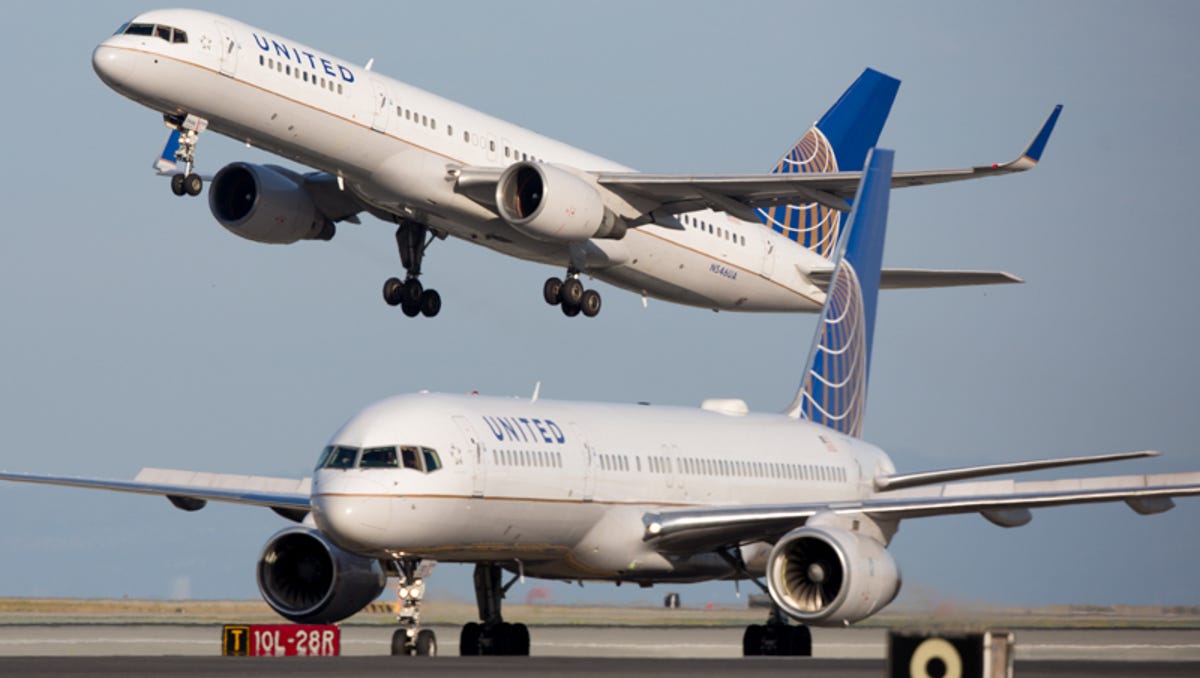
(192, 490)
(741, 195)
(1003, 502)
(914, 278)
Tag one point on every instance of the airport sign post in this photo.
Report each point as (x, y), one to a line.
(281, 640)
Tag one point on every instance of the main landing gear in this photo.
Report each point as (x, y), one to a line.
(412, 239)
(571, 295)
(189, 129)
(491, 635)
(411, 639)
(776, 638)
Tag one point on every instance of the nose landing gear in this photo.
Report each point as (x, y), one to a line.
(412, 239)
(185, 136)
(411, 639)
(571, 295)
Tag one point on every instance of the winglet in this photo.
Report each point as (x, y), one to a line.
(1034, 152)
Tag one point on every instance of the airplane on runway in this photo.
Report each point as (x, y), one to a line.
(795, 502)
(436, 169)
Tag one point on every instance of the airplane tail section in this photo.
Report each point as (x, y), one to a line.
(838, 142)
(834, 387)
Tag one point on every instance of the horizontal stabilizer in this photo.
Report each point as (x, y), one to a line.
(900, 481)
(919, 278)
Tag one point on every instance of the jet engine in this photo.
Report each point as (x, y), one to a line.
(549, 203)
(828, 576)
(267, 204)
(308, 580)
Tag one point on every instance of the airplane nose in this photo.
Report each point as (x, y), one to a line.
(114, 66)
(353, 515)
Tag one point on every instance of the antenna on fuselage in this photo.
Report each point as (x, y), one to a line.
(370, 63)
(537, 388)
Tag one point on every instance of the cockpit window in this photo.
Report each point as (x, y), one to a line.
(342, 457)
(121, 30)
(423, 459)
(379, 457)
(432, 462)
(157, 30)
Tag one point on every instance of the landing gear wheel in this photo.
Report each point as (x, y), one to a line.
(392, 291)
(400, 645)
(410, 293)
(518, 640)
(571, 293)
(570, 310)
(590, 304)
(193, 184)
(431, 303)
(551, 291)
(468, 640)
(752, 641)
(177, 184)
(801, 641)
(426, 643)
(411, 310)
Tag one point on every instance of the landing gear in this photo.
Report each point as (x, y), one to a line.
(777, 638)
(491, 635)
(411, 639)
(412, 239)
(189, 129)
(571, 295)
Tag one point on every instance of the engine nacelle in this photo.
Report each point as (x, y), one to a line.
(308, 580)
(264, 204)
(546, 202)
(828, 576)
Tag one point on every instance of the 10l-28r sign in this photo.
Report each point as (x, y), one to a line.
(281, 640)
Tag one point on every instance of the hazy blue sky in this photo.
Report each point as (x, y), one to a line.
(138, 332)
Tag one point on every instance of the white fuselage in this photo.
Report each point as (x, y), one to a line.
(393, 144)
(563, 487)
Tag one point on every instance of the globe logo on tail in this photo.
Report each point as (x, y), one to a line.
(811, 224)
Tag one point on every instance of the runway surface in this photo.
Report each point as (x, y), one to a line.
(192, 650)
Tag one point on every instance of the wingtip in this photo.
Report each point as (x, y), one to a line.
(1034, 152)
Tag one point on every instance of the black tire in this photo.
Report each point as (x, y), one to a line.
(426, 643)
(518, 640)
(801, 641)
(571, 292)
(411, 310)
(468, 640)
(177, 184)
(431, 303)
(501, 636)
(590, 304)
(193, 184)
(400, 645)
(411, 292)
(570, 310)
(391, 291)
(551, 291)
(752, 641)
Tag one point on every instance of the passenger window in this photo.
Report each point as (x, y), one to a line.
(262, 60)
(339, 88)
(409, 456)
(491, 145)
(379, 457)
(432, 461)
(424, 121)
(449, 130)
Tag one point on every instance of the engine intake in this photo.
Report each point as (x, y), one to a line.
(308, 580)
(549, 203)
(826, 575)
(266, 204)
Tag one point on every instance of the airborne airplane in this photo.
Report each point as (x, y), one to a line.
(796, 502)
(438, 169)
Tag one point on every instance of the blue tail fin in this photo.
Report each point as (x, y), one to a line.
(834, 389)
(838, 142)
